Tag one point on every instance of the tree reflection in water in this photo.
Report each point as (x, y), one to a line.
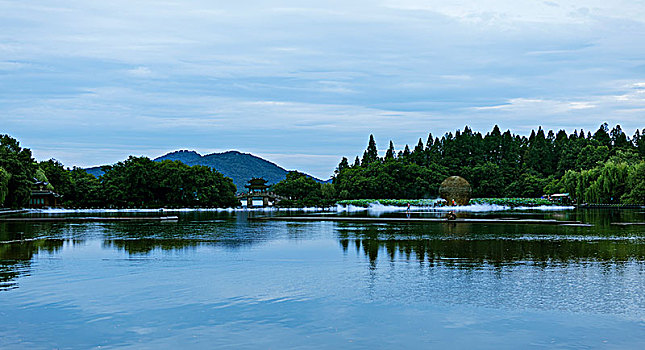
(15, 259)
(456, 246)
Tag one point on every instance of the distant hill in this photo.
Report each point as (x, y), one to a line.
(240, 167)
(96, 171)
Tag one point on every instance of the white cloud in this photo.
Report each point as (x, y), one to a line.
(623, 106)
(141, 72)
(8, 65)
(291, 76)
(527, 11)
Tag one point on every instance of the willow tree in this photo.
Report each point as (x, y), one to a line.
(40, 176)
(635, 191)
(609, 184)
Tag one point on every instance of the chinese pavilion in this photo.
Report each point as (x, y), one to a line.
(258, 194)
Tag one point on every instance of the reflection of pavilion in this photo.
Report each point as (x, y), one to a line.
(258, 194)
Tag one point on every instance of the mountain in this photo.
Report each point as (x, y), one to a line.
(240, 167)
(96, 171)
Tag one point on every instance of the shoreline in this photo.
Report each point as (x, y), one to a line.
(420, 220)
(474, 208)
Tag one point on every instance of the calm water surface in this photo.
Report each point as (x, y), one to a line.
(217, 280)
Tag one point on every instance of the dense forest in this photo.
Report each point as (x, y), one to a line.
(136, 182)
(604, 167)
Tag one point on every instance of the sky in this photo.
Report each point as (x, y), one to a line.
(304, 83)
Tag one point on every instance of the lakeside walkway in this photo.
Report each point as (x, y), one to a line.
(90, 219)
(12, 211)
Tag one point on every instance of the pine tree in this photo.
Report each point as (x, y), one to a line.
(602, 135)
(430, 142)
(406, 151)
(492, 145)
(371, 154)
(389, 155)
(344, 164)
(618, 138)
(560, 148)
(419, 147)
(639, 142)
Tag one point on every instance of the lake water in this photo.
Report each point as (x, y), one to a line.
(218, 280)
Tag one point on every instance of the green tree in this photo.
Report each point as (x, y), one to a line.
(371, 154)
(625, 156)
(590, 156)
(406, 152)
(560, 148)
(619, 139)
(419, 154)
(639, 142)
(539, 154)
(569, 183)
(328, 193)
(487, 180)
(4, 185)
(389, 155)
(207, 187)
(344, 164)
(609, 185)
(527, 185)
(602, 136)
(141, 182)
(58, 176)
(84, 190)
(635, 190)
(41, 177)
(299, 188)
(18, 162)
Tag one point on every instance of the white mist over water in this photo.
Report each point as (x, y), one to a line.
(173, 210)
(379, 208)
(375, 208)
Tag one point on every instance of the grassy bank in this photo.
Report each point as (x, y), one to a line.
(511, 202)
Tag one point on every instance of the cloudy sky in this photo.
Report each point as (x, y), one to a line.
(303, 83)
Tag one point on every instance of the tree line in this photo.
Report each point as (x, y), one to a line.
(604, 167)
(135, 182)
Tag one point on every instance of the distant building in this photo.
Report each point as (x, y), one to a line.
(257, 185)
(41, 197)
(258, 194)
(561, 198)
